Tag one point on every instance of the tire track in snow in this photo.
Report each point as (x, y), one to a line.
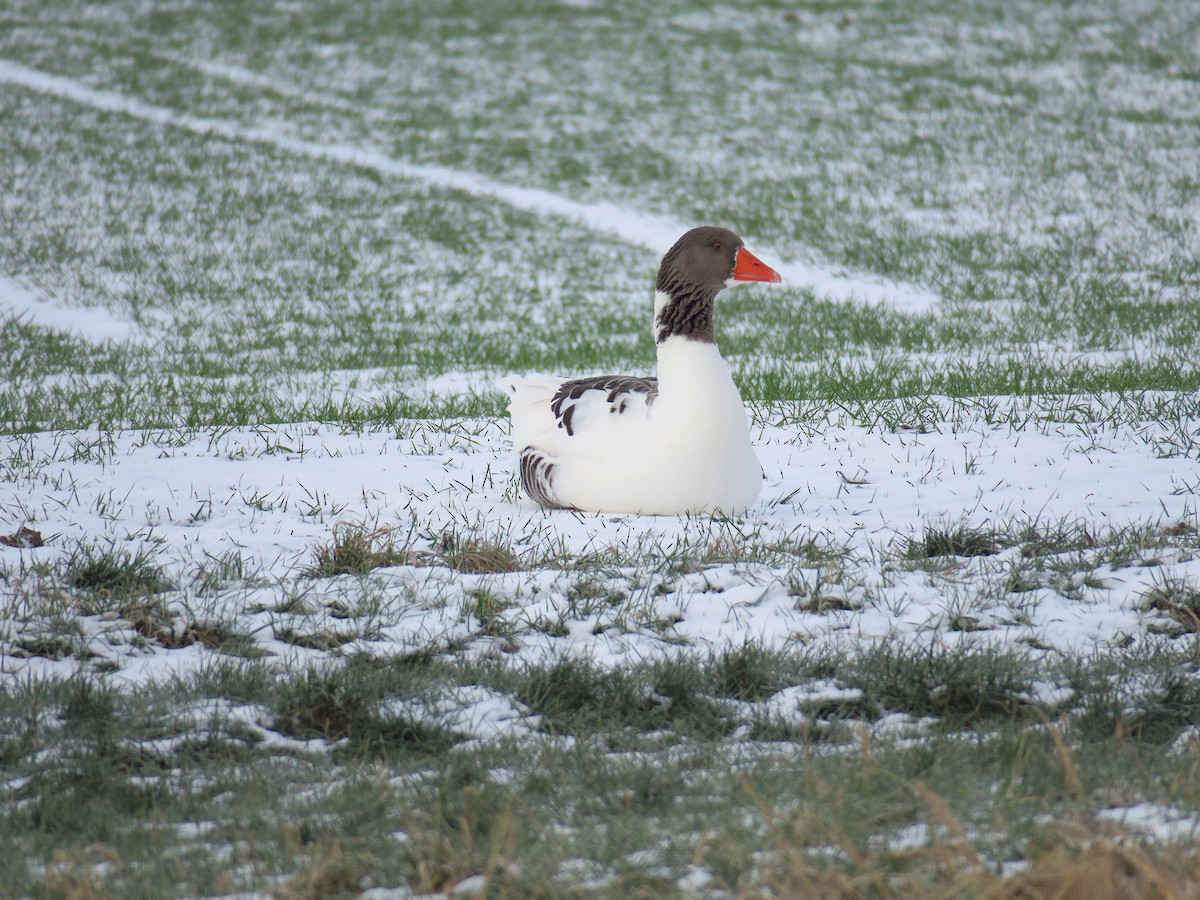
(629, 225)
(94, 324)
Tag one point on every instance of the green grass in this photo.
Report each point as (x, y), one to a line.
(266, 280)
(1033, 165)
(961, 541)
(786, 767)
(107, 573)
(87, 763)
(1178, 599)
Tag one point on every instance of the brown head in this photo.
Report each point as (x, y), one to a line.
(702, 263)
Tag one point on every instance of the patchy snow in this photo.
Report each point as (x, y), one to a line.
(1153, 820)
(470, 710)
(268, 496)
(630, 225)
(90, 323)
(1048, 694)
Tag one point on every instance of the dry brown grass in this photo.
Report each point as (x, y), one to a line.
(1179, 599)
(1107, 870)
(355, 550)
(23, 538)
(476, 556)
(329, 872)
(811, 855)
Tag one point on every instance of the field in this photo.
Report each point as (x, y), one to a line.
(275, 619)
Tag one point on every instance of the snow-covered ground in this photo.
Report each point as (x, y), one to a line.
(630, 225)
(287, 213)
(271, 495)
(94, 324)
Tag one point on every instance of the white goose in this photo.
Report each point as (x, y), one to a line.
(678, 443)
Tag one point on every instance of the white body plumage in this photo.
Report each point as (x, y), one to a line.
(688, 450)
(678, 443)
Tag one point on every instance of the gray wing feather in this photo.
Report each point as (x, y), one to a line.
(537, 477)
(617, 388)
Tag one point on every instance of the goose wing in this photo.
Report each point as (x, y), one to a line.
(579, 402)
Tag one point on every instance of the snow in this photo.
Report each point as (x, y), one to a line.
(272, 495)
(471, 710)
(1153, 820)
(90, 323)
(697, 881)
(633, 226)
(471, 886)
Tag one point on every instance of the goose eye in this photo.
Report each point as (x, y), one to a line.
(718, 246)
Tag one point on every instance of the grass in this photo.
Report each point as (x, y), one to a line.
(477, 554)
(923, 766)
(355, 550)
(107, 573)
(259, 286)
(576, 697)
(960, 541)
(960, 687)
(345, 704)
(485, 705)
(831, 761)
(1179, 600)
(322, 811)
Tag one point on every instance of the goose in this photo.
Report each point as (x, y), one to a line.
(673, 444)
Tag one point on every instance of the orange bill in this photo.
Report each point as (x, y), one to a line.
(748, 267)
